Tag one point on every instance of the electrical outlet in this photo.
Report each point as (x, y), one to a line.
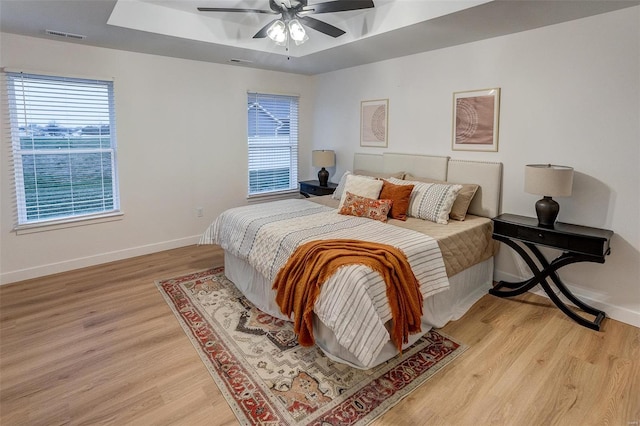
(199, 211)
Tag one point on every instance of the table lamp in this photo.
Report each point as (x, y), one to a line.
(323, 158)
(549, 181)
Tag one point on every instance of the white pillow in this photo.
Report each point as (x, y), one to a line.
(362, 186)
(430, 201)
(337, 194)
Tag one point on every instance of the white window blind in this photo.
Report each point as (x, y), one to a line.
(273, 143)
(64, 147)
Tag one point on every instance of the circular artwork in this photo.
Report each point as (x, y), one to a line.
(466, 121)
(373, 125)
(474, 120)
(378, 121)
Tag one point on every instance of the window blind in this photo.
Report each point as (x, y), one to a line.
(272, 138)
(64, 146)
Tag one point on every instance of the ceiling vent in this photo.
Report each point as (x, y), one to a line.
(66, 35)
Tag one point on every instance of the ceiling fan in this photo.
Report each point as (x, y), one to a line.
(294, 13)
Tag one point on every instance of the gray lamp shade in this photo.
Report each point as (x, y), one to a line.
(323, 158)
(548, 179)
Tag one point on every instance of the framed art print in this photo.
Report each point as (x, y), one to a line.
(475, 120)
(374, 121)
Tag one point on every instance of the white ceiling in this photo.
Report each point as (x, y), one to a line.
(393, 28)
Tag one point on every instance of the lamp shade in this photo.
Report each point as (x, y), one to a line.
(548, 180)
(323, 158)
(297, 32)
(278, 32)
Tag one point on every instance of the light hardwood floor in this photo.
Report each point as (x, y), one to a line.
(101, 346)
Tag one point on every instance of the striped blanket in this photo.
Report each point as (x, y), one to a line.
(353, 301)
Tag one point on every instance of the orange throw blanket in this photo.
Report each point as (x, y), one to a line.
(298, 283)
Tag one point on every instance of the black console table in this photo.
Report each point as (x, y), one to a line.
(578, 244)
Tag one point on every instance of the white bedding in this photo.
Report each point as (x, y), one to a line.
(266, 235)
(465, 289)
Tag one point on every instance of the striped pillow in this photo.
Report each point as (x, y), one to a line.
(430, 201)
(463, 200)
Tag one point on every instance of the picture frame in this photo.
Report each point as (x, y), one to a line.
(374, 123)
(476, 119)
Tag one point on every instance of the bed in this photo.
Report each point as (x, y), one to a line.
(258, 240)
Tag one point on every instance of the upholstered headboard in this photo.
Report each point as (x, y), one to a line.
(488, 175)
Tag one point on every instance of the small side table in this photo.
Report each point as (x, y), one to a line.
(312, 187)
(578, 243)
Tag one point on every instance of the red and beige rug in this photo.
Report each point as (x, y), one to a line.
(267, 378)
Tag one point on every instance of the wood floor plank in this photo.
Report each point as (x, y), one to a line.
(101, 346)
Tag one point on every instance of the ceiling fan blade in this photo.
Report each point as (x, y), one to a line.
(323, 27)
(341, 6)
(263, 31)
(229, 9)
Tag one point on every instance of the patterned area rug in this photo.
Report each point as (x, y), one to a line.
(267, 378)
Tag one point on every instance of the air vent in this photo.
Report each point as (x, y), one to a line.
(66, 35)
(240, 61)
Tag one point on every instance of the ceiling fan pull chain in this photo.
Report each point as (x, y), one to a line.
(287, 49)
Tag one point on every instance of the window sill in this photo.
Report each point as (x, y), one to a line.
(273, 196)
(53, 225)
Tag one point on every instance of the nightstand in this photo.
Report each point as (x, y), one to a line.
(312, 187)
(578, 244)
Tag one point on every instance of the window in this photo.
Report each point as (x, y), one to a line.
(272, 137)
(64, 147)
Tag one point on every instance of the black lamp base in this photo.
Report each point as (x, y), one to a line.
(547, 210)
(323, 177)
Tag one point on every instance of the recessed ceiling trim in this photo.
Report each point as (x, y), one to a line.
(181, 18)
(92, 18)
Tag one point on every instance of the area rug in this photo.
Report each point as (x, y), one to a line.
(268, 379)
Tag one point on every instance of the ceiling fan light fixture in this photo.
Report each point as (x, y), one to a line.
(294, 11)
(298, 34)
(278, 32)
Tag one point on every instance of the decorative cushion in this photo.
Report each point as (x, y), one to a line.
(430, 201)
(337, 194)
(363, 186)
(354, 205)
(400, 195)
(463, 200)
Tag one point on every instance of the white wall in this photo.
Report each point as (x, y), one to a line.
(181, 145)
(570, 95)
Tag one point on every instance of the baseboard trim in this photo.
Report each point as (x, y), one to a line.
(83, 262)
(615, 312)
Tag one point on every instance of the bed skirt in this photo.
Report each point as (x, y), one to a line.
(465, 288)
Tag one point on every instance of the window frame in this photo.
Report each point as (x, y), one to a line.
(15, 100)
(293, 142)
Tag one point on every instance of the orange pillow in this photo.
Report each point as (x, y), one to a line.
(355, 205)
(400, 195)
